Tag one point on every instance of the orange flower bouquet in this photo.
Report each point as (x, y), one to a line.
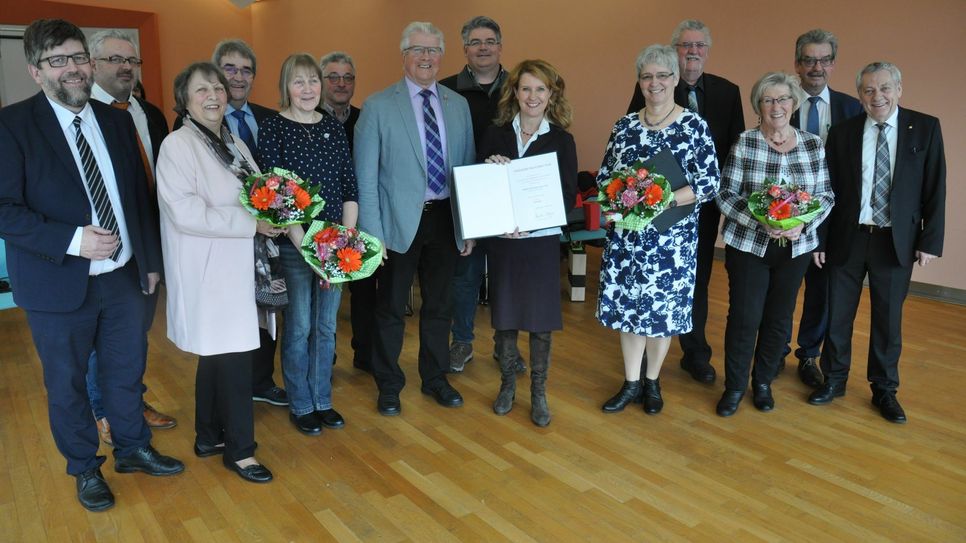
(339, 254)
(281, 198)
(634, 196)
(782, 205)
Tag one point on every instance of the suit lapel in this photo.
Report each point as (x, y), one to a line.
(448, 113)
(50, 128)
(905, 127)
(408, 115)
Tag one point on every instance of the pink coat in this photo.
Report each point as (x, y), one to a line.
(207, 240)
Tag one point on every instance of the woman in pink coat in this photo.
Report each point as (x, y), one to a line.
(207, 239)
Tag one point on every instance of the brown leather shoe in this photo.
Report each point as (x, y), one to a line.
(156, 419)
(104, 430)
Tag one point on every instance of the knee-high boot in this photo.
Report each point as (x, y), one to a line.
(539, 365)
(506, 341)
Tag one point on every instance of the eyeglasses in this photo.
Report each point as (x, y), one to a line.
(231, 71)
(489, 42)
(59, 61)
(781, 100)
(419, 50)
(810, 62)
(335, 78)
(118, 59)
(699, 45)
(660, 76)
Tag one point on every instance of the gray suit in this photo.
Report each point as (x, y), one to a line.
(391, 164)
(419, 236)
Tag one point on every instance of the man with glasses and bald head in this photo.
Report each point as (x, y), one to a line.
(718, 101)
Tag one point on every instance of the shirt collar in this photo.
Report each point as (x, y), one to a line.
(892, 121)
(543, 129)
(231, 109)
(65, 117)
(343, 117)
(415, 89)
(98, 93)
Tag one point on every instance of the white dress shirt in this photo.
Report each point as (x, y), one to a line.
(95, 139)
(137, 112)
(870, 134)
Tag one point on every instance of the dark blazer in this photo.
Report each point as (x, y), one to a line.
(43, 201)
(501, 140)
(349, 124)
(722, 110)
(841, 106)
(157, 126)
(918, 198)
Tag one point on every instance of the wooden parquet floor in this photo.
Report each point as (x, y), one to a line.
(800, 473)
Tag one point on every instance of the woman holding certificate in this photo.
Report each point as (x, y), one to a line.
(524, 267)
(647, 276)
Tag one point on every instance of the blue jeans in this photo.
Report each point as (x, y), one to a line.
(308, 339)
(466, 293)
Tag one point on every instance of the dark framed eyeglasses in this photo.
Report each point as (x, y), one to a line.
(335, 78)
(660, 76)
(231, 70)
(420, 50)
(810, 62)
(489, 42)
(118, 60)
(59, 61)
(699, 45)
(781, 100)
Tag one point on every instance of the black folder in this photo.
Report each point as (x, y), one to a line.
(665, 164)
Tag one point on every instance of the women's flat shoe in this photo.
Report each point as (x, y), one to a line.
(255, 473)
(204, 451)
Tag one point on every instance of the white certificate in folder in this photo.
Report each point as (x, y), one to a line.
(494, 199)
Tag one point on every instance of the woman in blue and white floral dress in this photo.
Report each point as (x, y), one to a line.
(647, 277)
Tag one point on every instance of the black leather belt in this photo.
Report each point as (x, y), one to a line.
(430, 205)
(872, 229)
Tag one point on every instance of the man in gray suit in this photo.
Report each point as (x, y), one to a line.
(407, 141)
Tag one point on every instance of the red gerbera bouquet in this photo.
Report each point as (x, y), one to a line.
(339, 254)
(782, 205)
(635, 193)
(281, 198)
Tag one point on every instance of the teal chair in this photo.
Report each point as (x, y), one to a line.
(6, 298)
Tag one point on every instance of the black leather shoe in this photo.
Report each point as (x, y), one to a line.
(826, 393)
(256, 473)
(204, 451)
(809, 372)
(728, 403)
(653, 402)
(93, 492)
(389, 404)
(149, 461)
(444, 394)
(330, 418)
(761, 397)
(702, 372)
(309, 424)
(631, 391)
(889, 407)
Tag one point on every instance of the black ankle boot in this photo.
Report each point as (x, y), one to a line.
(630, 391)
(653, 402)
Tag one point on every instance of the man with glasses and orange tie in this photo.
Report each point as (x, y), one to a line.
(117, 67)
(84, 251)
(718, 102)
(815, 53)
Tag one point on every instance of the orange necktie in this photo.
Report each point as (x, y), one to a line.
(144, 156)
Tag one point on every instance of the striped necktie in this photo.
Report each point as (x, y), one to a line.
(435, 173)
(144, 155)
(882, 178)
(96, 187)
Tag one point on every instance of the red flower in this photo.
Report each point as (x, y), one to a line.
(350, 260)
(262, 198)
(327, 236)
(302, 198)
(774, 191)
(273, 182)
(642, 173)
(653, 194)
(779, 210)
(804, 197)
(614, 188)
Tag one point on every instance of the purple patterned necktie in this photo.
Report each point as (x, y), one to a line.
(435, 174)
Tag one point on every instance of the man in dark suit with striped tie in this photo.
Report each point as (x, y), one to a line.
(83, 250)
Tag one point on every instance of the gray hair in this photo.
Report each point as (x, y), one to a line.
(336, 56)
(662, 55)
(774, 79)
(97, 40)
(817, 36)
(480, 21)
(691, 24)
(875, 67)
(420, 27)
(227, 47)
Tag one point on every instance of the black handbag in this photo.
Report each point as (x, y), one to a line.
(270, 290)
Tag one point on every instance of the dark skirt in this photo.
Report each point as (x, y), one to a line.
(524, 284)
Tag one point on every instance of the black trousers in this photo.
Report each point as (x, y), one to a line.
(362, 314)
(223, 403)
(432, 255)
(695, 343)
(761, 301)
(872, 255)
(263, 362)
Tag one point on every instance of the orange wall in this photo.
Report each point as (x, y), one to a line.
(594, 45)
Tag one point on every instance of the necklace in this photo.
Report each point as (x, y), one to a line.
(774, 139)
(659, 123)
(310, 121)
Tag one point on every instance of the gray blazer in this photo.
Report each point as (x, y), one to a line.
(391, 165)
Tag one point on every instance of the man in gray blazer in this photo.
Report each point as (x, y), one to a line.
(407, 141)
